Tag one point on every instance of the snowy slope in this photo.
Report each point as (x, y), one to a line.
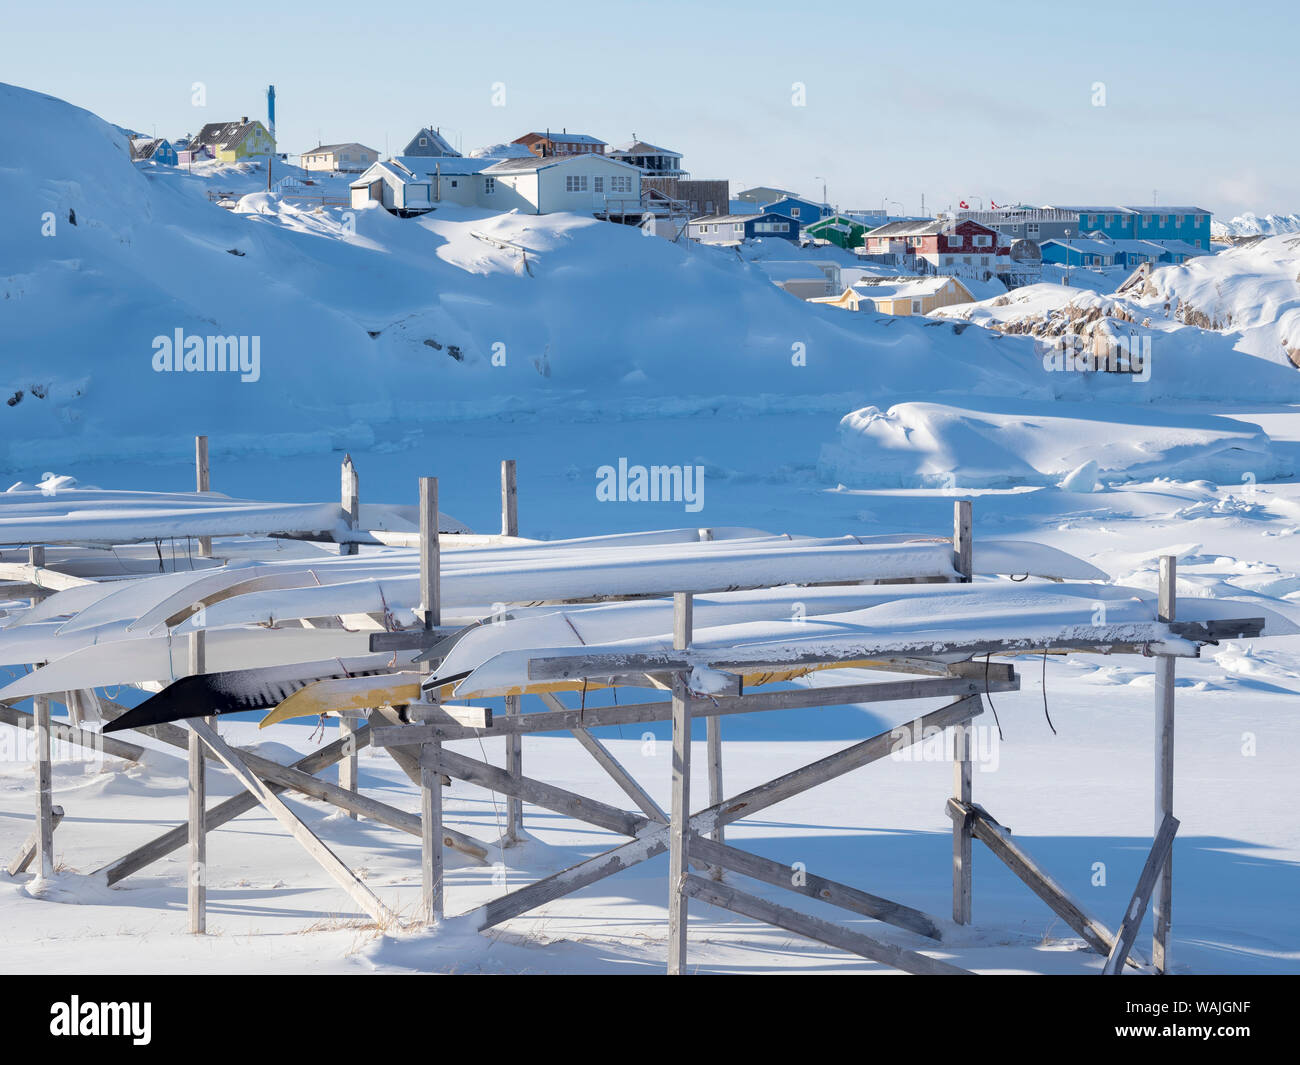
(1252, 225)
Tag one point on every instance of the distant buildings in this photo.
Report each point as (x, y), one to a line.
(761, 194)
(806, 278)
(805, 211)
(350, 158)
(734, 228)
(1097, 251)
(841, 230)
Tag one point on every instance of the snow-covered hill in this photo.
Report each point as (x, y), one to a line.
(1252, 225)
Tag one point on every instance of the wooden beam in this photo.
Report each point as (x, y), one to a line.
(349, 768)
(27, 852)
(40, 578)
(44, 789)
(1137, 907)
(754, 702)
(713, 735)
(679, 816)
(612, 766)
(509, 499)
(430, 592)
(569, 803)
(173, 839)
(961, 828)
(202, 483)
(310, 842)
(1014, 857)
(1164, 769)
(814, 928)
(653, 840)
(814, 887)
(62, 733)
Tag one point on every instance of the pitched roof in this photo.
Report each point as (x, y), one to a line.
(437, 145)
(224, 134)
(145, 147)
(927, 228)
(394, 169)
(641, 148)
(711, 218)
(338, 147)
(541, 162)
(565, 138)
(444, 165)
(904, 287)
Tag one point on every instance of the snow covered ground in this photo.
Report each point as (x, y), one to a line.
(378, 335)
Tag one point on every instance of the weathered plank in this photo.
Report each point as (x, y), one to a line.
(310, 842)
(202, 483)
(1137, 906)
(832, 935)
(80, 737)
(814, 886)
(679, 828)
(431, 863)
(961, 828)
(27, 852)
(962, 546)
(1164, 769)
(430, 590)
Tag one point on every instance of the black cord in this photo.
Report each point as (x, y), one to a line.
(989, 695)
(1045, 713)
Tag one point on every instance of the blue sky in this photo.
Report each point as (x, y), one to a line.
(991, 101)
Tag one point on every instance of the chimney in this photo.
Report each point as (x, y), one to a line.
(244, 120)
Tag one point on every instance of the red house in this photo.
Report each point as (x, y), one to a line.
(945, 245)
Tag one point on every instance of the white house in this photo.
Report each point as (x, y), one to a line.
(351, 158)
(454, 179)
(400, 190)
(589, 183)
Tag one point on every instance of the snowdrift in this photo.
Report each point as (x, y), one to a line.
(936, 445)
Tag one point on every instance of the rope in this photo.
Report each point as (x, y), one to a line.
(989, 695)
(1045, 713)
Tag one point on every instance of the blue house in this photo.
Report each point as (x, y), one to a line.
(1087, 253)
(733, 228)
(1188, 225)
(153, 149)
(804, 211)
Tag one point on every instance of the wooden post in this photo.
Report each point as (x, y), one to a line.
(431, 832)
(1164, 777)
(351, 502)
(203, 483)
(509, 499)
(429, 560)
(348, 766)
(515, 741)
(1159, 854)
(714, 732)
(44, 771)
(679, 815)
(961, 826)
(963, 555)
(197, 885)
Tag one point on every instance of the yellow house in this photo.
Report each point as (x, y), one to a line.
(233, 142)
(900, 295)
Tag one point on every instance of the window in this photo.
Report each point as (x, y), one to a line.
(916, 306)
(575, 183)
(424, 142)
(620, 183)
(794, 212)
(984, 260)
(1164, 219)
(453, 182)
(489, 185)
(966, 259)
(771, 227)
(955, 240)
(738, 227)
(1178, 221)
(598, 184)
(982, 240)
(1031, 229)
(1110, 219)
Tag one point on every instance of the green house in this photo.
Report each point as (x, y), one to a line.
(839, 230)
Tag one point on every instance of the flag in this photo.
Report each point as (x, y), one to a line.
(964, 205)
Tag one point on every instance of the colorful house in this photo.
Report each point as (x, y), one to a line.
(940, 245)
(153, 150)
(840, 230)
(735, 228)
(1087, 253)
(234, 142)
(804, 211)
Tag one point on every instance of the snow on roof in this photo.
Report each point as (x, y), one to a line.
(1084, 244)
(339, 147)
(395, 169)
(902, 287)
(444, 165)
(539, 162)
(795, 269)
(502, 151)
(564, 138)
